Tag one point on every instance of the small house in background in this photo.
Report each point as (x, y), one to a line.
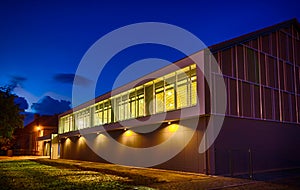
(35, 138)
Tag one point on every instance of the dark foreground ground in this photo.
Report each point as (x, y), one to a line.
(43, 173)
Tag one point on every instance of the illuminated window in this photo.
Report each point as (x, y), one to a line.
(71, 123)
(60, 128)
(159, 96)
(76, 121)
(182, 88)
(193, 85)
(170, 91)
(149, 103)
(107, 112)
(86, 118)
(66, 124)
(98, 116)
(175, 90)
(80, 121)
(140, 102)
(125, 101)
(132, 109)
(105, 116)
(182, 94)
(120, 108)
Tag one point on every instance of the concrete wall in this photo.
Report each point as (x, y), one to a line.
(246, 144)
(187, 159)
(272, 146)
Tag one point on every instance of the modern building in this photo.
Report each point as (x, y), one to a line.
(261, 129)
(35, 138)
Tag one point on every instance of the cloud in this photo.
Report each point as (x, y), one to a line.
(50, 106)
(68, 78)
(21, 92)
(16, 81)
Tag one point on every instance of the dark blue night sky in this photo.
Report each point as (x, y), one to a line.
(42, 42)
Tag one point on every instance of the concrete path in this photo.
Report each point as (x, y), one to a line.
(5, 158)
(156, 178)
(161, 179)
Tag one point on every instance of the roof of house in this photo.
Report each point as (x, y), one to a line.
(44, 120)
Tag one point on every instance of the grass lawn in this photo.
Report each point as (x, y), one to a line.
(26, 174)
(64, 174)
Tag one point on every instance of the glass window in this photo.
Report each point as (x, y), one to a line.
(125, 102)
(80, 121)
(107, 112)
(193, 85)
(75, 120)
(71, 123)
(120, 108)
(66, 124)
(170, 91)
(132, 104)
(159, 96)
(149, 107)
(60, 128)
(182, 93)
(182, 90)
(98, 116)
(140, 101)
(105, 116)
(173, 91)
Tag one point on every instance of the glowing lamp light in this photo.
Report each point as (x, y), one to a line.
(128, 133)
(173, 127)
(38, 128)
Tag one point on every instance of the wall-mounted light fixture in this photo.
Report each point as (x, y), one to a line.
(173, 127)
(128, 133)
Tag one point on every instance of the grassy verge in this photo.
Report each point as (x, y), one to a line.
(25, 174)
(133, 177)
(64, 174)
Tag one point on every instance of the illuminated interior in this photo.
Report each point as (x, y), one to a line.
(173, 91)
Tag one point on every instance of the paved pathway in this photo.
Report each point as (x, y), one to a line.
(162, 179)
(21, 157)
(157, 178)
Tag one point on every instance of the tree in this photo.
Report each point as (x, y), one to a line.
(10, 117)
